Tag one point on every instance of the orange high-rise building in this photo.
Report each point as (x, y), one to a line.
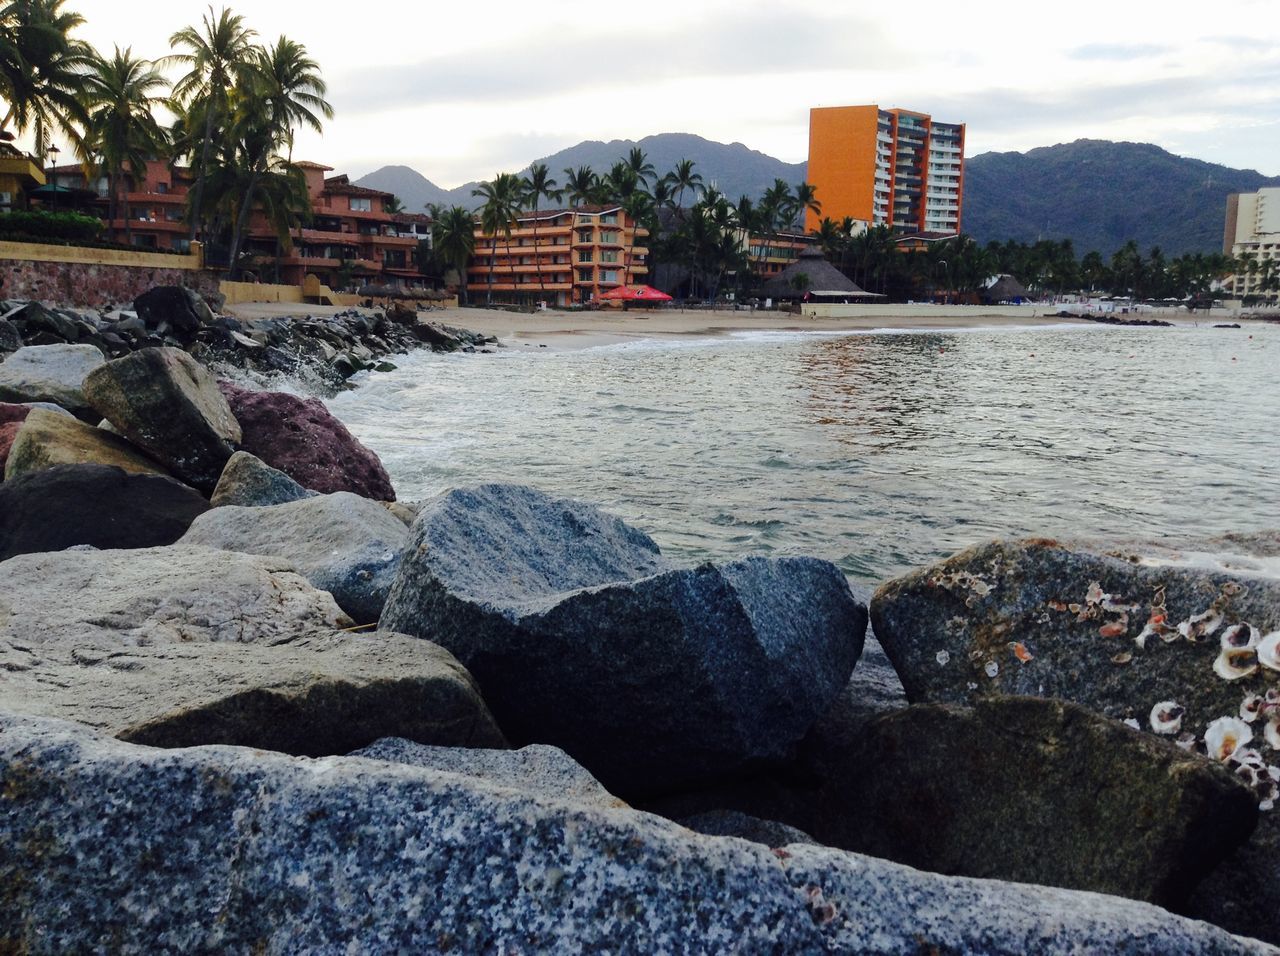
(886, 168)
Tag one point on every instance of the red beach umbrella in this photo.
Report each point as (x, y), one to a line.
(636, 293)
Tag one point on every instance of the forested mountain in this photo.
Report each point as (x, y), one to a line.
(1099, 194)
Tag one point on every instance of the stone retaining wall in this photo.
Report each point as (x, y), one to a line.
(95, 278)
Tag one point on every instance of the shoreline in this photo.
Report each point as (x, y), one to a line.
(582, 330)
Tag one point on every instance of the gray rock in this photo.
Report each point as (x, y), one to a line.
(105, 845)
(537, 769)
(1256, 865)
(651, 684)
(745, 827)
(168, 404)
(998, 619)
(314, 696)
(10, 338)
(342, 543)
(47, 439)
(169, 595)
(248, 481)
(49, 373)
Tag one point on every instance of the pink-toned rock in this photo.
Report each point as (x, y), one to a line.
(13, 413)
(301, 438)
(8, 432)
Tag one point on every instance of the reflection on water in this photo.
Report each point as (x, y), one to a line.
(880, 452)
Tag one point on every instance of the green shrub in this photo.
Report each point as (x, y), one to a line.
(51, 225)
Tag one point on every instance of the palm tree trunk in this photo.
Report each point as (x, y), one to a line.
(204, 168)
(493, 255)
(112, 203)
(241, 219)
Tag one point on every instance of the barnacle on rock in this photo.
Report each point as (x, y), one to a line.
(1225, 736)
(1271, 733)
(1202, 624)
(1166, 717)
(1186, 741)
(1251, 708)
(1234, 663)
(1269, 651)
(1020, 651)
(1239, 635)
(1124, 657)
(1116, 628)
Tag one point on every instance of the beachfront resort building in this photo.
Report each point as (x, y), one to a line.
(891, 168)
(1252, 235)
(559, 256)
(349, 240)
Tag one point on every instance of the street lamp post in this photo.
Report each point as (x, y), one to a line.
(53, 177)
(946, 294)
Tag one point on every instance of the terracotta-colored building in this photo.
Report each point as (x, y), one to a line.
(560, 256)
(349, 237)
(887, 167)
(769, 255)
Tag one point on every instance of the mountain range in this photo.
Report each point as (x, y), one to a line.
(1097, 193)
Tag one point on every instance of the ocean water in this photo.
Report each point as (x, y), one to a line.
(878, 451)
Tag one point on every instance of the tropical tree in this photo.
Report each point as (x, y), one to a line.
(284, 90)
(683, 177)
(638, 163)
(501, 205)
(218, 55)
(393, 206)
(453, 236)
(120, 93)
(806, 198)
(579, 185)
(535, 187)
(41, 71)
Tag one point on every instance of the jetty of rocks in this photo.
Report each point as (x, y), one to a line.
(250, 702)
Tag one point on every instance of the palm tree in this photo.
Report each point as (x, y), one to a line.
(453, 236)
(41, 70)
(579, 185)
(683, 177)
(806, 198)
(501, 205)
(537, 186)
(393, 205)
(285, 90)
(120, 94)
(218, 56)
(638, 163)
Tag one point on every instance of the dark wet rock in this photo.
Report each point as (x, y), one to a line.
(1033, 791)
(314, 696)
(49, 373)
(174, 307)
(731, 823)
(581, 635)
(46, 439)
(537, 769)
(248, 481)
(341, 543)
(1243, 894)
(99, 505)
(301, 438)
(10, 337)
(171, 595)
(167, 404)
(105, 845)
(33, 319)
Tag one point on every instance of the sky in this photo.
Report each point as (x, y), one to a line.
(461, 91)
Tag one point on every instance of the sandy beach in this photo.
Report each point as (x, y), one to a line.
(559, 329)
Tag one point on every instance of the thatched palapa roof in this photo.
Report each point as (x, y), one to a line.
(1006, 289)
(822, 279)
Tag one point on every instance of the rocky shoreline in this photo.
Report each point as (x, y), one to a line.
(251, 702)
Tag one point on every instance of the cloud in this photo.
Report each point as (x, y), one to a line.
(756, 46)
(1118, 51)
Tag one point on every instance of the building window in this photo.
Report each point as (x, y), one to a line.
(608, 237)
(611, 217)
(162, 188)
(584, 235)
(584, 275)
(361, 204)
(609, 276)
(585, 255)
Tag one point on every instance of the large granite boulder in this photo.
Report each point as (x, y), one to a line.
(10, 337)
(8, 432)
(342, 543)
(99, 505)
(314, 696)
(11, 419)
(248, 481)
(168, 404)
(173, 595)
(301, 438)
(538, 769)
(173, 308)
(105, 845)
(49, 373)
(1033, 791)
(46, 439)
(650, 682)
(745, 827)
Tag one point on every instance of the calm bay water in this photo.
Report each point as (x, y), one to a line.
(879, 451)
